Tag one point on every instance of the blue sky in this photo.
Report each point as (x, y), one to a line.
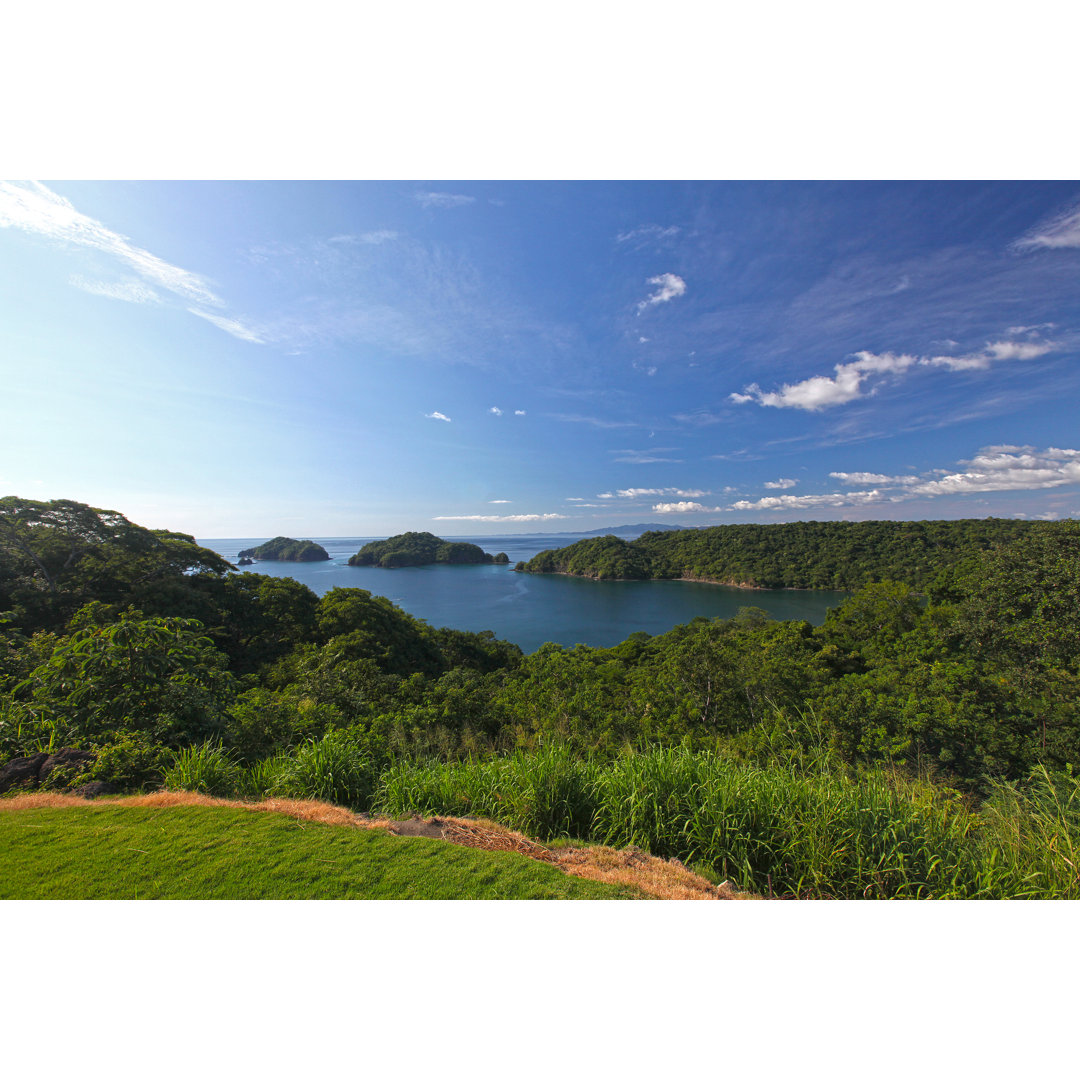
(331, 358)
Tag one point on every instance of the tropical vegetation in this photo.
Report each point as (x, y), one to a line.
(286, 549)
(922, 742)
(421, 549)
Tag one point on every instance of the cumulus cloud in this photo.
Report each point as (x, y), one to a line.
(824, 391)
(1007, 468)
(135, 292)
(806, 502)
(497, 517)
(495, 410)
(669, 286)
(35, 209)
(1062, 231)
(437, 416)
(519, 412)
(782, 483)
(993, 468)
(682, 508)
(442, 200)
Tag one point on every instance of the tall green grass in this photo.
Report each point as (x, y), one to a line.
(771, 829)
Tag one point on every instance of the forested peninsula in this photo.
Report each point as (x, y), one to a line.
(924, 741)
(422, 549)
(842, 555)
(286, 549)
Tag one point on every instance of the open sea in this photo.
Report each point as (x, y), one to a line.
(531, 609)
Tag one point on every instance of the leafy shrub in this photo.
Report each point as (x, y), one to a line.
(207, 768)
(334, 768)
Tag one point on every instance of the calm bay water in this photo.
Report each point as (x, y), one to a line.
(530, 609)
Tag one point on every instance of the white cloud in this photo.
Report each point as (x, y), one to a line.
(639, 493)
(805, 502)
(994, 351)
(646, 457)
(993, 468)
(1008, 468)
(230, 326)
(135, 292)
(35, 209)
(595, 421)
(497, 517)
(860, 478)
(823, 391)
(644, 233)
(495, 410)
(681, 508)
(437, 416)
(519, 412)
(377, 236)
(442, 199)
(495, 502)
(643, 340)
(1059, 232)
(782, 483)
(670, 286)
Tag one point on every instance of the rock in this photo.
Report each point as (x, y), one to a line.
(21, 772)
(65, 756)
(94, 789)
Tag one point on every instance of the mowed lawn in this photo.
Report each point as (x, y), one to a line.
(117, 852)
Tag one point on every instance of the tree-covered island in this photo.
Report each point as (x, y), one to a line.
(792, 555)
(286, 549)
(421, 549)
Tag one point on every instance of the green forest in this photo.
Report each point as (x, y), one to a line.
(286, 549)
(921, 742)
(421, 549)
(839, 555)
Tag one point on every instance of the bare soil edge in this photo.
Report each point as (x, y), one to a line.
(664, 879)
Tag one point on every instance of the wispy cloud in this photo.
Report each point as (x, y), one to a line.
(496, 502)
(498, 517)
(230, 326)
(780, 484)
(35, 209)
(849, 382)
(640, 493)
(519, 412)
(495, 410)
(859, 479)
(594, 421)
(376, 236)
(644, 234)
(437, 416)
(806, 502)
(442, 200)
(669, 286)
(1060, 231)
(650, 456)
(134, 292)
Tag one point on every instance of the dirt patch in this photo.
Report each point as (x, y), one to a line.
(664, 879)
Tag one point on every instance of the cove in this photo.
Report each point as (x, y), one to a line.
(531, 609)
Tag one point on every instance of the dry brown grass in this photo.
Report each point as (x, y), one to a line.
(665, 879)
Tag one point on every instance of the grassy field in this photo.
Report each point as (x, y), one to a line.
(113, 851)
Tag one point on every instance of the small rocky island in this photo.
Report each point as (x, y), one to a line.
(420, 549)
(285, 549)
